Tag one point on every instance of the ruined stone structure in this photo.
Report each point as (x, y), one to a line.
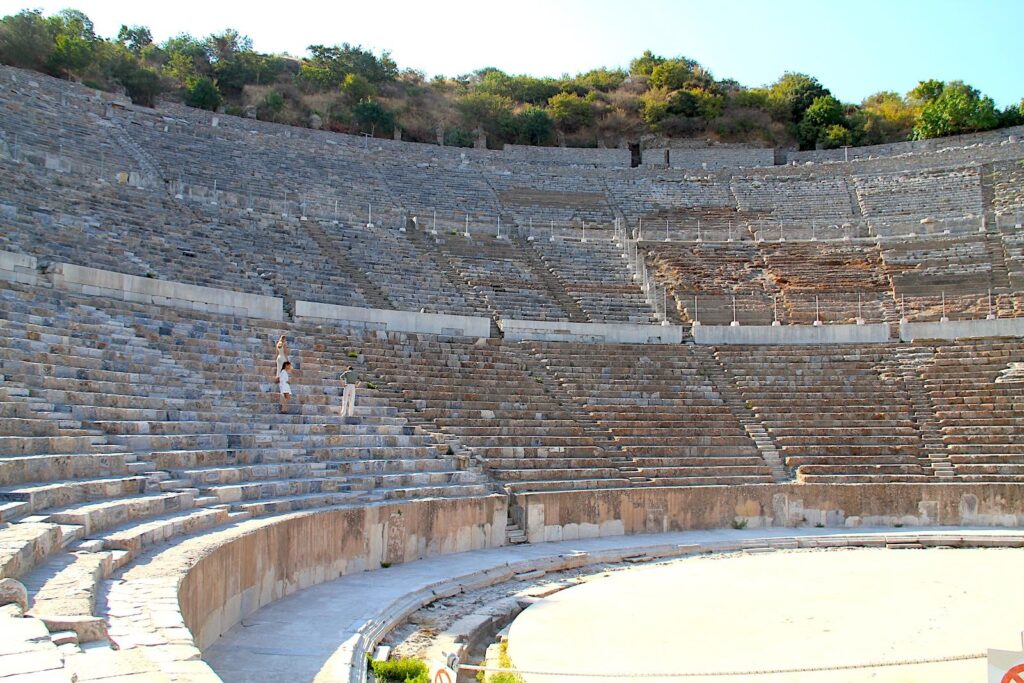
(152, 496)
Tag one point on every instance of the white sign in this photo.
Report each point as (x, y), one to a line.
(1005, 666)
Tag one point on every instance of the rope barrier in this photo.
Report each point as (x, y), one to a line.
(722, 674)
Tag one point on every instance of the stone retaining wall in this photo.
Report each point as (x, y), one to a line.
(582, 156)
(963, 329)
(791, 334)
(896, 148)
(593, 333)
(395, 321)
(18, 268)
(94, 282)
(711, 158)
(568, 515)
(253, 569)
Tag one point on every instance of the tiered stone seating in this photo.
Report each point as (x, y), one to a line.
(50, 124)
(827, 281)
(694, 224)
(595, 274)
(553, 196)
(486, 397)
(449, 191)
(123, 426)
(964, 268)
(981, 417)
(498, 272)
(715, 274)
(75, 219)
(282, 252)
(1008, 191)
(838, 413)
(407, 275)
(796, 206)
(275, 173)
(682, 198)
(665, 415)
(909, 197)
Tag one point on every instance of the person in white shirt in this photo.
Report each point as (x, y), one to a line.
(282, 352)
(286, 389)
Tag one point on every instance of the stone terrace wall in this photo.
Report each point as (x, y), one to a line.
(238, 577)
(909, 147)
(568, 515)
(710, 158)
(571, 156)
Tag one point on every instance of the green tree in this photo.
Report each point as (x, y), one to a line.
(373, 118)
(186, 59)
(327, 67)
(709, 104)
(674, 74)
(1012, 116)
(884, 117)
(26, 40)
(355, 88)
(493, 113)
(533, 126)
(140, 83)
(226, 45)
(135, 38)
(645, 64)
(835, 136)
(271, 106)
(791, 95)
(824, 112)
(927, 91)
(601, 80)
(525, 89)
(957, 109)
(570, 111)
(203, 94)
(73, 41)
(654, 107)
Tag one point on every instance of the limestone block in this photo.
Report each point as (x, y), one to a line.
(13, 592)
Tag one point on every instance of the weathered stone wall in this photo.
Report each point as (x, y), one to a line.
(18, 268)
(611, 158)
(963, 329)
(897, 148)
(238, 577)
(394, 321)
(791, 334)
(710, 158)
(586, 514)
(95, 282)
(591, 333)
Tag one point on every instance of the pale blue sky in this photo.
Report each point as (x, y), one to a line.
(853, 48)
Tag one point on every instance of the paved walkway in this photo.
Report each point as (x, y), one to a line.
(313, 634)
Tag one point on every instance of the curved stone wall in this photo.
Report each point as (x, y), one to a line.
(238, 577)
(566, 515)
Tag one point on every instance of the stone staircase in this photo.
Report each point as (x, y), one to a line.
(375, 297)
(907, 364)
(555, 287)
(741, 410)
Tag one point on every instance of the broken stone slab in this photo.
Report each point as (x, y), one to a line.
(89, 628)
(13, 591)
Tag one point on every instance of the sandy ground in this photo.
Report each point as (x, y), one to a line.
(783, 610)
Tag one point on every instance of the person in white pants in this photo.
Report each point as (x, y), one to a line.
(349, 380)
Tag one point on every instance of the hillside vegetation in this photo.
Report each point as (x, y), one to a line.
(347, 88)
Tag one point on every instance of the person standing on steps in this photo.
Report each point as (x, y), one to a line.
(349, 380)
(286, 389)
(282, 352)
